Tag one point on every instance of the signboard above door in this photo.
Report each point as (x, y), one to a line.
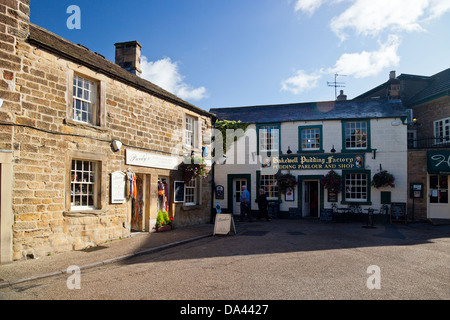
(346, 161)
(151, 160)
(438, 162)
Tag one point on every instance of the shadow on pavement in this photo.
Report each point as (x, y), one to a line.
(283, 236)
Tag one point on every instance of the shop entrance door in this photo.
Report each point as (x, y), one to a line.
(311, 198)
(439, 204)
(137, 206)
(237, 185)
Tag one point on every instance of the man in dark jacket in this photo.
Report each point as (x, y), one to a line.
(263, 205)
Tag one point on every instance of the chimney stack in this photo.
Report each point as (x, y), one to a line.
(128, 56)
(392, 75)
(393, 88)
(341, 96)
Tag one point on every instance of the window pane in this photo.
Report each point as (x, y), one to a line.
(83, 104)
(83, 184)
(269, 138)
(356, 186)
(356, 134)
(269, 184)
(189, 134)
(310, 138)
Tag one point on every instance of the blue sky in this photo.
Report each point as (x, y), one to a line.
(229, 53)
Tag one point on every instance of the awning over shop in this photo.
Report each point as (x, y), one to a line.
(438, 162)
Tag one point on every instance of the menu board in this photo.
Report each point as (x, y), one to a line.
(398, 212)
(118, 181)
(326, 214)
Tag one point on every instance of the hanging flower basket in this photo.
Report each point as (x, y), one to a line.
(332, 181)
(196, 168)
(383, 179)
(286, 181)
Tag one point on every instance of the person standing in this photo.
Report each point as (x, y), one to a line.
(245, 204)
(263, 205)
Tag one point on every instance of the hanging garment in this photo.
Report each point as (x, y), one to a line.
(166, 197)
(131, 185)
(160, 196)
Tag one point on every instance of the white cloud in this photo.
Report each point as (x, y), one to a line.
(165, 74)
(308, 6)
(370, 18)
(438, 8)
(300, 82)
(358, 65)
(365, 64)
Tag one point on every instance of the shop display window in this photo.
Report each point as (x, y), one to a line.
(438, 188)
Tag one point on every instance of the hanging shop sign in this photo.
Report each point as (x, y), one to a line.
(151, 160)
(343, 161)
(438, 162)
(118, 182)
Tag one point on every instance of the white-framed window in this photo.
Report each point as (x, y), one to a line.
(310, 139)
(269, 184)
(442, 130)
(412, 138)
(84, 185)
(356, 133)
(269, 138)
(190, 132)
(191, 193)
(84, 107)
(356, 187)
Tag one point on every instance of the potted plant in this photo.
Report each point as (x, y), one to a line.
(286, 181)
(163, 221)
(383, 179)
(196, 167)
(332, 181)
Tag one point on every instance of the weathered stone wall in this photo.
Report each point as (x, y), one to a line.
(36, 89)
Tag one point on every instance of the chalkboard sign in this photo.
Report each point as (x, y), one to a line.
(326, 214)
(398, 212)
(178, 190)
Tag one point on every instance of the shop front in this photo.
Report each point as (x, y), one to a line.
(148, 187)
(438, 181)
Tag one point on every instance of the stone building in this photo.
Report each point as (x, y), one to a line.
(89, 151)
(307, 141)
(427, 99)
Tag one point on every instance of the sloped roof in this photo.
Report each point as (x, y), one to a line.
(51, 42)
(439, 84)
(328, 110)
(416, 89)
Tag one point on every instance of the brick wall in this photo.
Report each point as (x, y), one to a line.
(428, 113)
(417, 173)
